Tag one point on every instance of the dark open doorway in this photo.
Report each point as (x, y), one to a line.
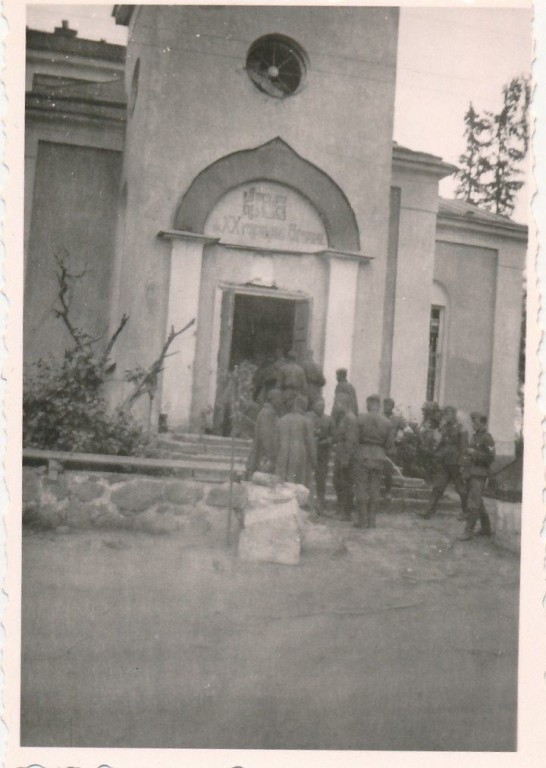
(253, 327)
(260, 326)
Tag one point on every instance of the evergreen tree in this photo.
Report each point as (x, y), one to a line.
(496, 145)
(474, 161)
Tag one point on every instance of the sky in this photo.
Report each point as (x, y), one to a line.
(446, 58)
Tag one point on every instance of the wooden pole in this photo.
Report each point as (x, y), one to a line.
(234, 412)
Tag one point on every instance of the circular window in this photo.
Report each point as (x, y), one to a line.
(276, 65)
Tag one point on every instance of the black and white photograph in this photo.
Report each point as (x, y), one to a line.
(274, 322)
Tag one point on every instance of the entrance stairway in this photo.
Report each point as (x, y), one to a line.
(212, 456)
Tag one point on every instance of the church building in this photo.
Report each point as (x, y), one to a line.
(236, 166)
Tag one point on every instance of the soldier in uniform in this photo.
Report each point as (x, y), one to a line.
(346, 441)
(323, 426)
(292, 381)
(297, 453)
(477, 460)
(447, 462)
(314, 378)
(263, 454)
(343, 387)
(398, 425)
(375, 439)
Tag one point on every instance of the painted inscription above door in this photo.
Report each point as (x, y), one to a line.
(268, 215)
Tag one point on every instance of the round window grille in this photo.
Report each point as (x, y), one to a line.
(276, 65)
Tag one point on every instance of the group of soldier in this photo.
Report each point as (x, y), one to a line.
(294, 439)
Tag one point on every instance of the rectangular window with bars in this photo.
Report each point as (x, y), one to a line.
(434, 354)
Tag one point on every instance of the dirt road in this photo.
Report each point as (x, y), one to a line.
(409, 641)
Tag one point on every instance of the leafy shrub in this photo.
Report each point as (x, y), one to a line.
(64, 409)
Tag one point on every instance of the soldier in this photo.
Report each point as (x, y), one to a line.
(263, 454)
(375, 437)
(265, 378)
(343, 387)
(346, 441)
(447, 462)
(398, 425)
(477, 460)
(291, 381)
(324, 430)
(297, 453)
(314, 377)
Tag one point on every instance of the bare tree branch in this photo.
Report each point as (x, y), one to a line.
(64, 276)
(148, 381)
(109, 347)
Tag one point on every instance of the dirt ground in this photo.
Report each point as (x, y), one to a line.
(408, 641)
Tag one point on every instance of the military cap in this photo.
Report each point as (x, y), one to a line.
(373, 398)
(478, 415)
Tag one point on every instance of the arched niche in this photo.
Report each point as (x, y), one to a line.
(275, 161)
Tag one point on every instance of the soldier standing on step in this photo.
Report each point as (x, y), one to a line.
(263, 453)
(292, 381)
(375, 438)
(296, 457)
(477, 460)
(346, 441)
(314, 377)
(343, 387)
(447, 462)
(323, 429)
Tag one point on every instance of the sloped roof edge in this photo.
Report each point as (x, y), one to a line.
(424, 161)
(461, 212)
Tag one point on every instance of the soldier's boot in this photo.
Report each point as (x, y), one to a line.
(471, 519)
(361, 514)
(463, 514)
(433, 506)
(485, 523)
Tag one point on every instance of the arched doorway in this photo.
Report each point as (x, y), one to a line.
(265, 253)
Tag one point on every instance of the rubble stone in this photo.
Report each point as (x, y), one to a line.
(184, 492)
(219, 496)
(87, 491)
(271, 534)
(137, 495)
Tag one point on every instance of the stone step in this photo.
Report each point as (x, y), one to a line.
(193, 450)
(206, 440)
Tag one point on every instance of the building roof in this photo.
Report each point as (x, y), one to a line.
(66, 41)
(423, 161)
(460, 211)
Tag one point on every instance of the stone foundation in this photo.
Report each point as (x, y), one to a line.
(79, 499)
(277, 527)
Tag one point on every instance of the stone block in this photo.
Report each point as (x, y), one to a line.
(264, 478)
(271, 534)
(137, 495)
(301, 492)
(219, 496)
(111, 519)
(88, 490)
(56, 487)
(506, 523)
(184, 492)
(78, 515)
(49, 516)
(155, 522)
